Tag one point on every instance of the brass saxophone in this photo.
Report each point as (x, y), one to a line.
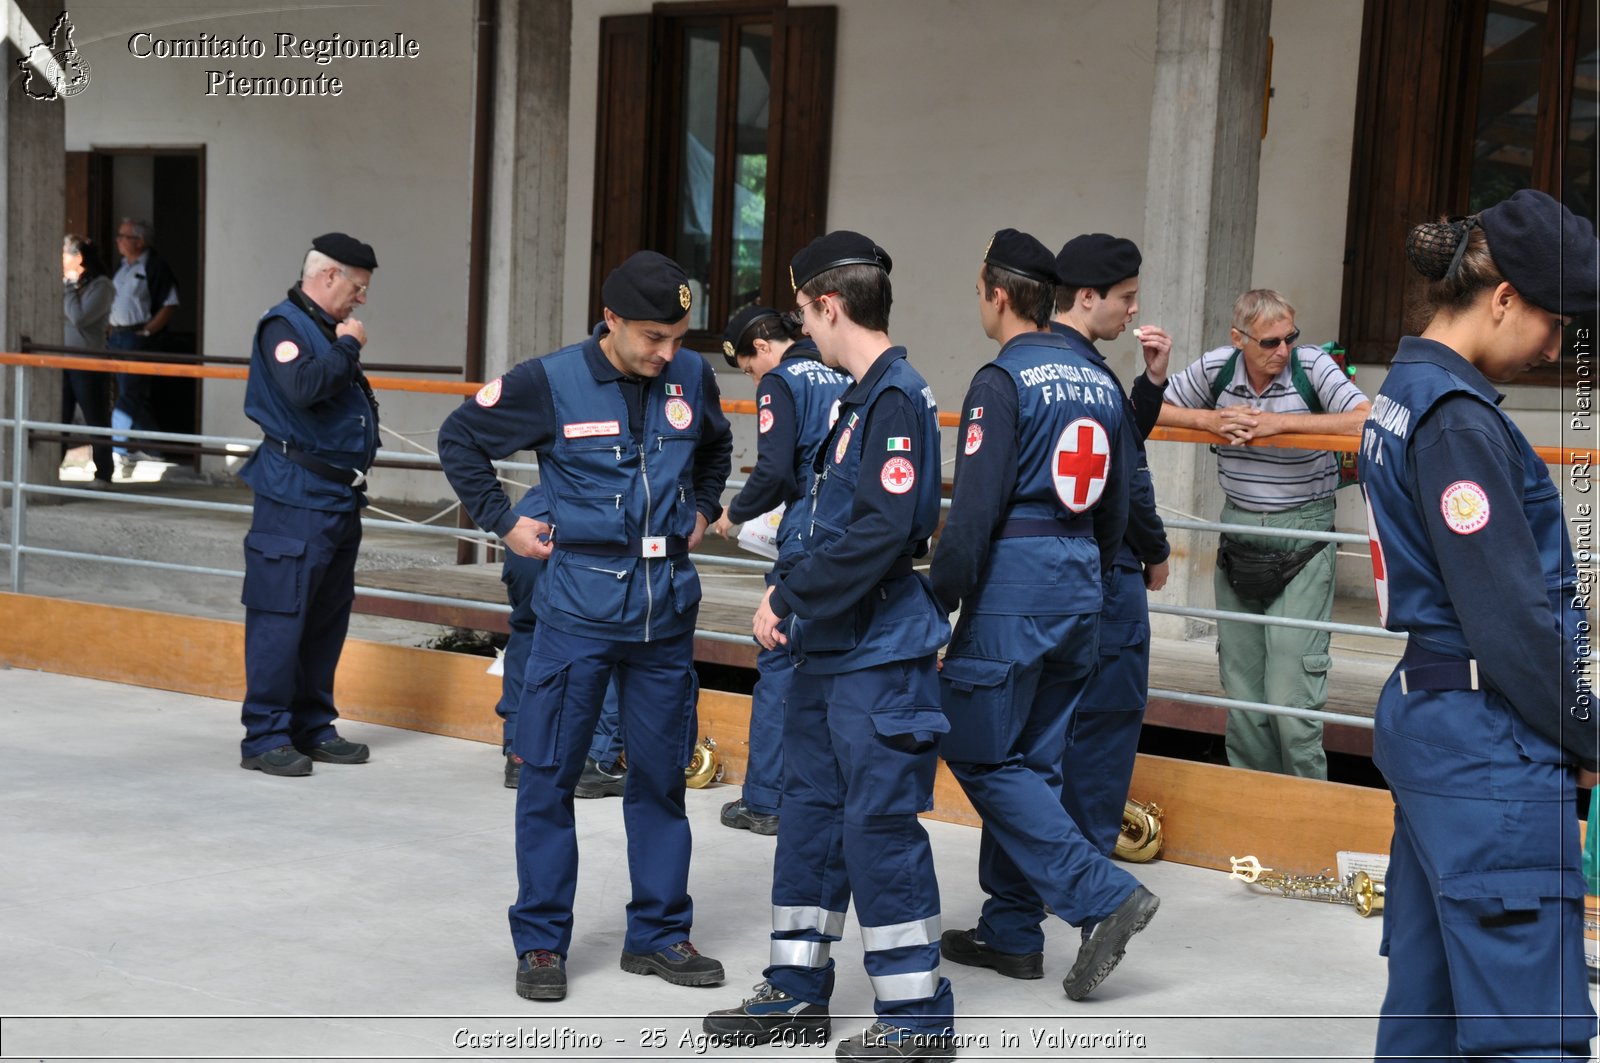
(1358, 889)
(1140, 840)
(705, 767)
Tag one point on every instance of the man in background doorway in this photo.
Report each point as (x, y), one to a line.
(146, 299)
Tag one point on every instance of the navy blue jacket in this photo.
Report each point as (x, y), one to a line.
(306, 388)
(1470, 549)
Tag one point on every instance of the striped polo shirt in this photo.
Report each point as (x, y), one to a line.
(1270, 479)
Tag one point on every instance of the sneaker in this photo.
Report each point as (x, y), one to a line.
(598, 782)
(285, 760)
(680, 964)
(126, 466)
(541, 975)
(963, 946)
(1102, 951)
(740, 816)
(771, 1015)
(337, 750)
(881, 1041)
(98, 484)
(513, 771)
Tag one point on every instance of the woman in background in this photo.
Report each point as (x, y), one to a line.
(86, 296)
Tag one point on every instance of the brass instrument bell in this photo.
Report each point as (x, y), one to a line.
(705, 767)
(1140, 839)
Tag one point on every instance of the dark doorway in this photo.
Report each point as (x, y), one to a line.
(167, 188)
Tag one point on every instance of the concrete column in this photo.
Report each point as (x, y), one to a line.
(1200, 233)
(33, 182)
(528, 197)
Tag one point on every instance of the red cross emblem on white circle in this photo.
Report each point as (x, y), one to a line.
(897, 476)
(1082, 463)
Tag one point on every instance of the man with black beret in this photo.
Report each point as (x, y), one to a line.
(862, 723)
(1097, 298)
(1038, 514)
(633, 454)
(320, 421)
(797, 398)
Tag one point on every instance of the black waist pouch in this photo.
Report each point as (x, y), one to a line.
(1262, 574)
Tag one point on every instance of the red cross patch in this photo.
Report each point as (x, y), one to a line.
(765, 421)
(897, 476)
(974, 438)
(1380, 572)
(1082, 463)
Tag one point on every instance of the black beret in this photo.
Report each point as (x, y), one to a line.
(839, 248)
(1095, 260)
(1020, 253)
(1547, 253)
(341, 247)
(738, 326)
(648, 286)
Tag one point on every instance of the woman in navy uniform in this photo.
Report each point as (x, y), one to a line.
(633, 452)
(1484, 725)
(862, 726)
(320, 419)
(797, 398)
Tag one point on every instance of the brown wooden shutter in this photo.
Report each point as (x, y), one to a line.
(623, 147)
(800, 134)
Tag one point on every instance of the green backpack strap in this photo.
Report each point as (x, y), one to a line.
(1225, 377)
(1297, 376)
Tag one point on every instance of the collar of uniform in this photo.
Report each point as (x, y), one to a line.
(1081, 343)
(305, 302)
(599, 364)
(803, 348)
(869, 380)
(1035, 339)
(1431, 352)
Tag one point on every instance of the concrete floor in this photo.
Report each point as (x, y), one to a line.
(157, 902)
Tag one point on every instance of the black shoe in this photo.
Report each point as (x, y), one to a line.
(541, 975)
(771, 1015)
(1103, 950)
(679, 964)
(740, 816)
(597, 782)
(963, 946)
(285, 760)
(881, 1041)
(338, 751)
(513, 771)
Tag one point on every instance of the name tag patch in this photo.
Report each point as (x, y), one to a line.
(585, 429)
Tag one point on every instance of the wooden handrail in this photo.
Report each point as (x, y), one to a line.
(1584, 456)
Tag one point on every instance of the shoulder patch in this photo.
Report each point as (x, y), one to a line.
(897, 476)
(1465, 506)
(974, 438)
(766, 400)
(489, 394)
(765, 421)
(287, 351)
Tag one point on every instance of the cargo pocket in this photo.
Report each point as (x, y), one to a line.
(595, 588)
(976, 695)
(272, 568)
(1509, 902)
(830, 634)
(899, 776)
(685, 580)
(1315, 666)
(540, 710)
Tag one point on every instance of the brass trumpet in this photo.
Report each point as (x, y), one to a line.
(1358, 889)
(705, 767)
(1140, 840)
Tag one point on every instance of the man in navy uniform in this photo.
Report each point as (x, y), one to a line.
(320, 421)
(797, 398)
(862, 726)
(1038, 515)
(633, 453)
(1097, 298)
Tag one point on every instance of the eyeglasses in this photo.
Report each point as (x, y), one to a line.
(127, 236)
(361, 289)
(800, 309)
(1272, 343)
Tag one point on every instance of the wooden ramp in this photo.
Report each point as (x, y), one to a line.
(1212, 812)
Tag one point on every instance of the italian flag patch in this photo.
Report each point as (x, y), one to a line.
(899, 442)
(674, 389)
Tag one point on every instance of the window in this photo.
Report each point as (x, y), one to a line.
(709, 112)
(1439, 135)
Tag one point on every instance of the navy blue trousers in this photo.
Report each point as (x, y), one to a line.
(860, 756)
(299, 583)
(1031, 852)
(564, 687)
(763, 773)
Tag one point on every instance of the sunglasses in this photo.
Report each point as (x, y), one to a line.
(1274, 342)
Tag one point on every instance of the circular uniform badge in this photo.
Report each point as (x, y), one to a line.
(844, 445)
(489, 394)
(974, 438)
(1465, 507)
(1082, 462)
(287, 351)
(765, 421)
(897, 476)
(679, 415)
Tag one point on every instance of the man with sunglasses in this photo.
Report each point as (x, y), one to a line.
(1259, 386)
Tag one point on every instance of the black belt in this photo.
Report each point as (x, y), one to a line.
(647, 548)
(338, 474)
(126, 328)
(1422, 669)
(1028, 527)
